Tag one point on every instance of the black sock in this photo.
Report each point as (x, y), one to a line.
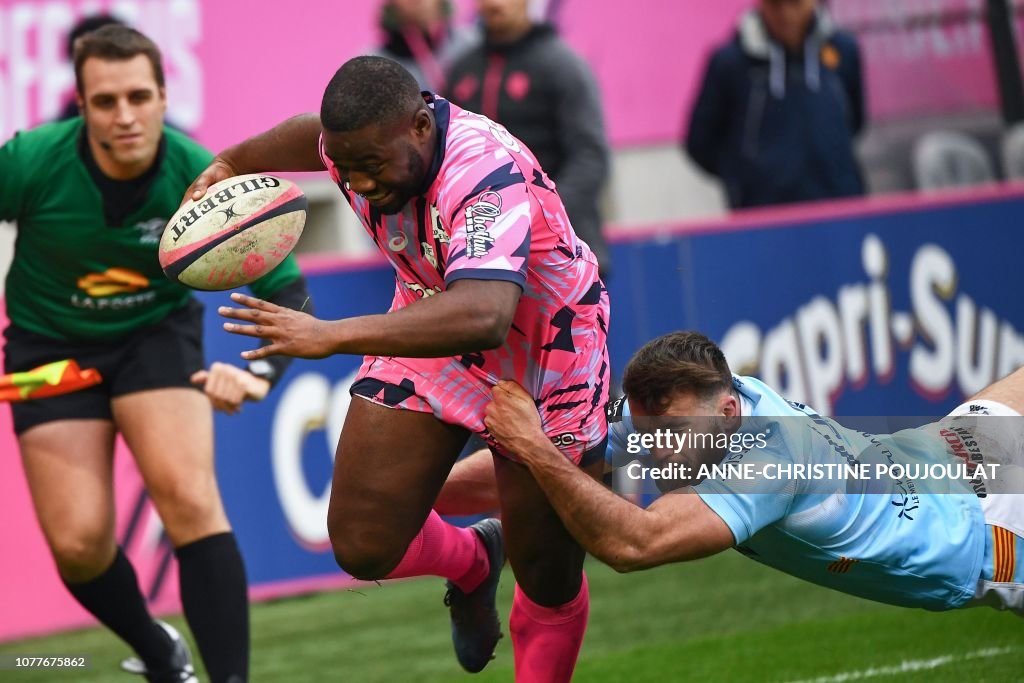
(115, 600)
(215, 597)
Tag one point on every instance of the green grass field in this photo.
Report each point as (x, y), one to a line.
(722, 619)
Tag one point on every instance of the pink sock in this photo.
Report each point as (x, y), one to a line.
(441, 549)
(547, 640)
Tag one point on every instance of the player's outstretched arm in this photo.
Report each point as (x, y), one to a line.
(292, 145)
(620, 534)
(471, 316)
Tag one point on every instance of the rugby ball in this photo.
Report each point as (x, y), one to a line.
(241, 230)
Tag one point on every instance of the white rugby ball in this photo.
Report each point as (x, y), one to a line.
(241, 230)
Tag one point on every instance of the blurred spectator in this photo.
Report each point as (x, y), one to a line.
(419, 35)
(941, 159)
(779, 108)
(86, 24)
(1011, 152)
(526, 78)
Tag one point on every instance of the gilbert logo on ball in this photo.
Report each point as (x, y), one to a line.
(241, 230)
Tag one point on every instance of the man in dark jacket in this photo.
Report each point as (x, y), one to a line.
(420, 35)
(525, 77)
(779, 108)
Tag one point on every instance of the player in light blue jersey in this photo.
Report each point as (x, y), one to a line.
(930, 539)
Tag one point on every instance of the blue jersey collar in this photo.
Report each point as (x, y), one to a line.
(442, 118)
(747, 392)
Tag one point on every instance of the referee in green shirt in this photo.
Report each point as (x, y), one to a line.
(90, 197)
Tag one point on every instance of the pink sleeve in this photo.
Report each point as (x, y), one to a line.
(490, 231)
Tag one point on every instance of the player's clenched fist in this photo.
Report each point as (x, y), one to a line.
(512, 418)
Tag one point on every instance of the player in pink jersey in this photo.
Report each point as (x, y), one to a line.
(492, 284)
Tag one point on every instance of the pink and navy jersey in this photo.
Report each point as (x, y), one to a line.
(489, 212)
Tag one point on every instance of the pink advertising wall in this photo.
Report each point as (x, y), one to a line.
(649, 57)
(236, 67)
(940, 48)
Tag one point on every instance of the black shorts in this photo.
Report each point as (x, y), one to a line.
(595, 454)
(154, 357)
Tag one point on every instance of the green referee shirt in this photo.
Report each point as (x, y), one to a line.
(74, 276)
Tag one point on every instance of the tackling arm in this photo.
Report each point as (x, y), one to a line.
(677, 527)
(627, 538)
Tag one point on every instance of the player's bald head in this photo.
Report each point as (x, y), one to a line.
(368, 91)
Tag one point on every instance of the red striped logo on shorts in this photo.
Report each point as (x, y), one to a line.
(842, 565)
(1004, 556)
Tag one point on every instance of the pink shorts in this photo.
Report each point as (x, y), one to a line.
(573, 417)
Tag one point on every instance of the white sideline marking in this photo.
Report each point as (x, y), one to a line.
(908, 666)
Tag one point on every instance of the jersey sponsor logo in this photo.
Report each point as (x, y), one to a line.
(113, 303)
(501, 134)
(905, 499)
(909, 500)
(615, 408)
(421, 291)
(563, 440)
(480, 217)
(101, 291)
(150, 231)
(440, 234)
(113, 281)
(398, 242)
(963, 445)
(428, 253)
(827, 431)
